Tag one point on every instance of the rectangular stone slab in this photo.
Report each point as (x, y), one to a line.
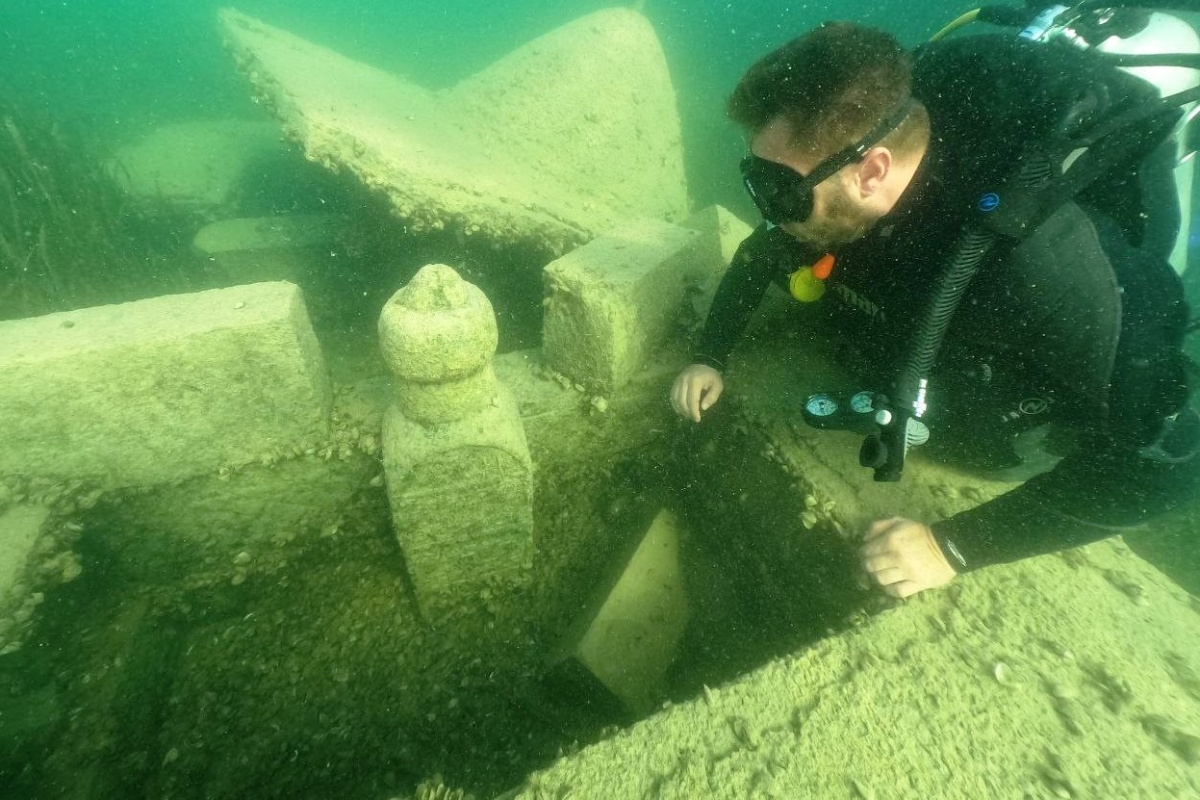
(631, 640)
(161, 389)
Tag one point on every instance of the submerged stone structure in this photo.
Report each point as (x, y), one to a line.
(555, 143)
(1070, 675)
(459, 475)
(612, 303)
(163, 389)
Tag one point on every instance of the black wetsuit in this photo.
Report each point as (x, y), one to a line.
(1079, 324)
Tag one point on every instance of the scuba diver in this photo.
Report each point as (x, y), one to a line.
(984, 228)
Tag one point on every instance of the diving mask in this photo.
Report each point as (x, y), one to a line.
(784, 195)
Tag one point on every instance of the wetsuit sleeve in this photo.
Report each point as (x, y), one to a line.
(737, 297)
(1085, 498)
(1129, 466)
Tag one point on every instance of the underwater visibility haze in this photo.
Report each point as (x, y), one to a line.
(409, 400)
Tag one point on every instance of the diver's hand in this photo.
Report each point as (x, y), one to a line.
(903, 557)
(695, 390)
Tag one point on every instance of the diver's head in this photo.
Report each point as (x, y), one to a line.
(834, 136)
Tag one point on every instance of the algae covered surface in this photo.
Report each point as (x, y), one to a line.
(1072, 675)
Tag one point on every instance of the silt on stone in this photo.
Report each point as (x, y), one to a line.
(457, 465)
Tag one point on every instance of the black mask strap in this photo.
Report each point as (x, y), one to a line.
(858, 150)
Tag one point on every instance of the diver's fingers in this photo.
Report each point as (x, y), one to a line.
(874, 546)
(889, 576)
(903, 589)
(687, 394)
(677, 392)
(695, 387)
(881, 526)
(712, 395)
(679, 395)
(877, 564)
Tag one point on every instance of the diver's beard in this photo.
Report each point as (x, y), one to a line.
(840, 224)
(828, 235)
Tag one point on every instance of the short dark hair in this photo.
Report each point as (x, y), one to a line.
(833, 84)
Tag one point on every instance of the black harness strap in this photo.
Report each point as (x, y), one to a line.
(1008, 213)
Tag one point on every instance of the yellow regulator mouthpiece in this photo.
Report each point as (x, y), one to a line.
(807, 284)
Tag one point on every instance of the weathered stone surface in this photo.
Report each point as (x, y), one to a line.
(459, 475)
(36, 555)
(163, 389)
(20, 528)
(461, 497)
(629, 640)
(436, 403)
(1047, 678)
(194, 165)
(438, 328)
(612, 302)
(552, 145)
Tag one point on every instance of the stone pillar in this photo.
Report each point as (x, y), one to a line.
(459, 476)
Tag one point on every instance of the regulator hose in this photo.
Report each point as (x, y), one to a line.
(885, 451)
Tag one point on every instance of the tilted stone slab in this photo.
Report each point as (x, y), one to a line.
(611, 303)
(553, 144)
(157, 390)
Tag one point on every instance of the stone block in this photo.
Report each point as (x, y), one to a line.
(629, 639)
(284, 247)
(162, 389)
(269, 233)
(612, 302)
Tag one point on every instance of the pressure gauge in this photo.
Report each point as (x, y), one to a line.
(862, 402)
(821, 405)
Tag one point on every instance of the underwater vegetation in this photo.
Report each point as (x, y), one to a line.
(67, 236)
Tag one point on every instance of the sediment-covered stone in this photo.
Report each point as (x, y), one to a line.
(163, 389)
(459, 475)
(1045, 678)
(611, 303)
(551, 145)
